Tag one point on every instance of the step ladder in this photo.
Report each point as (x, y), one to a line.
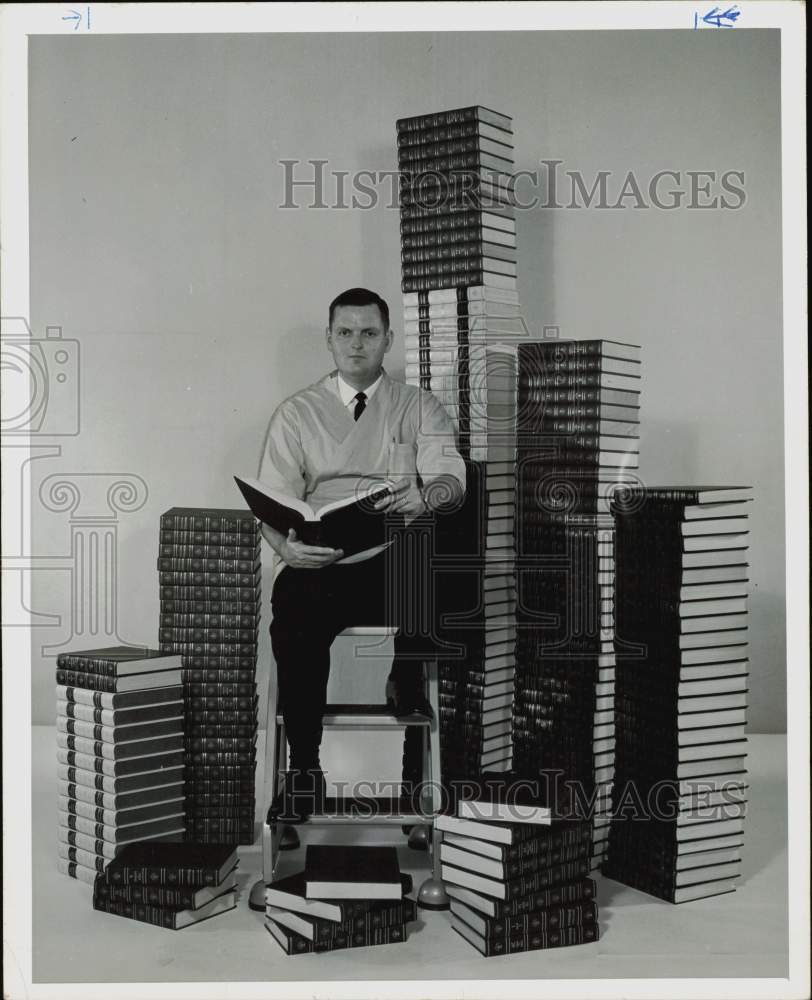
(278, 836)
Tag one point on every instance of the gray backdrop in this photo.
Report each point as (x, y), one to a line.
(158, 243)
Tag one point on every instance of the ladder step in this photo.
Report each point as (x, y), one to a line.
(372, 810)
(366, 717)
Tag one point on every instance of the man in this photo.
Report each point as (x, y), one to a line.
(326, 443)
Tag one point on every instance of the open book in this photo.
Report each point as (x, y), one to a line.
(352, 525)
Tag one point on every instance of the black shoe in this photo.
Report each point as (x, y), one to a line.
(303, 795)
(403, 702)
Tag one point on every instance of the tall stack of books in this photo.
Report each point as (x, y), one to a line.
(169, 885)
(517, 878)
(209, 572)
(577, 439)
(458, 252)
(119, 721)
(681, 690)
(346, 897)
(474, 613)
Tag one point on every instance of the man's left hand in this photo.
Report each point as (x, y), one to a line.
(405, 498)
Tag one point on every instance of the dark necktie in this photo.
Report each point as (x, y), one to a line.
(360, 406)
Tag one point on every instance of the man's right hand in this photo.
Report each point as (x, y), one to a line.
(301, 556)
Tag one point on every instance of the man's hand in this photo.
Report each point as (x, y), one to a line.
(405, 498)
(301, 556)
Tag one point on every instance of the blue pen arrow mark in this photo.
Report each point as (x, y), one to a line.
(720, 19)
(74, 16)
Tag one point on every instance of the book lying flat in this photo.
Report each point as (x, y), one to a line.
(565, 894)
(386, 913)
(162, 863)
(114, 701)
(178, 896)
(289, 893)
(164, 916)
(118, 661)
(526, 941)
(296, 944)
(352, 525)
(335, 871)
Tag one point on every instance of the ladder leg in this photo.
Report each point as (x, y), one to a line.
(274, 748)
(432, 894)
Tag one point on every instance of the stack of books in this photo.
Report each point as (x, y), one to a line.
(456, 200)
(475, 610)
(169, 885)
(346, 897)
(209, 571)
(577, 440)
(517, 879)
(120, 739)
(461, 307)
(681, 690)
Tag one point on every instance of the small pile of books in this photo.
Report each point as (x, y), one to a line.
(517, 879)
(346, 897)
(681, 690)
(167, 884)
(209, 570)
(119, 721)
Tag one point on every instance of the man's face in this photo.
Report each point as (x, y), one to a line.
(358, 341)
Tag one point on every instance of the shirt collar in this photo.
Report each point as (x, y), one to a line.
(348, 394)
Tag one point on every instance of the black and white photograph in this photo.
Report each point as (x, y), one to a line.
(405, 497)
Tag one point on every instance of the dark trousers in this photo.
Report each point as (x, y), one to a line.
(310, 608)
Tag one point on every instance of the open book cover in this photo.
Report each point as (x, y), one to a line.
(352, 525)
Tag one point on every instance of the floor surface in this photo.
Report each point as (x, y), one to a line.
(743, 934)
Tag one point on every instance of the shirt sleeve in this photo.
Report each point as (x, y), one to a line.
(282, 465)
(437, 453)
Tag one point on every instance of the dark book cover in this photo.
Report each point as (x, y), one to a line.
(171, 863)
(339, 871)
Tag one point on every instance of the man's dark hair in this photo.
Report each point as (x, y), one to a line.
(360, 297)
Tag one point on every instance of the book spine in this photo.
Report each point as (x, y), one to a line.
(184, 635)
(156, 915)
(247, 607)
(78, 856)
(448, 280)
(219, 523)
(181, 897)
(119, 733)
(226, 567)
(209, 538)
(213, 581)
(472, 265)
(88, 682)
(448, 132)
(414, 237)
(185, 547)
(194, 876)
(536, 940)
(464, 253)
(530, 354)
(578, 891)
(429, 146)
(443, 119)
(217, 622)
(429, 160)
(582, 914)
(203, 688)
